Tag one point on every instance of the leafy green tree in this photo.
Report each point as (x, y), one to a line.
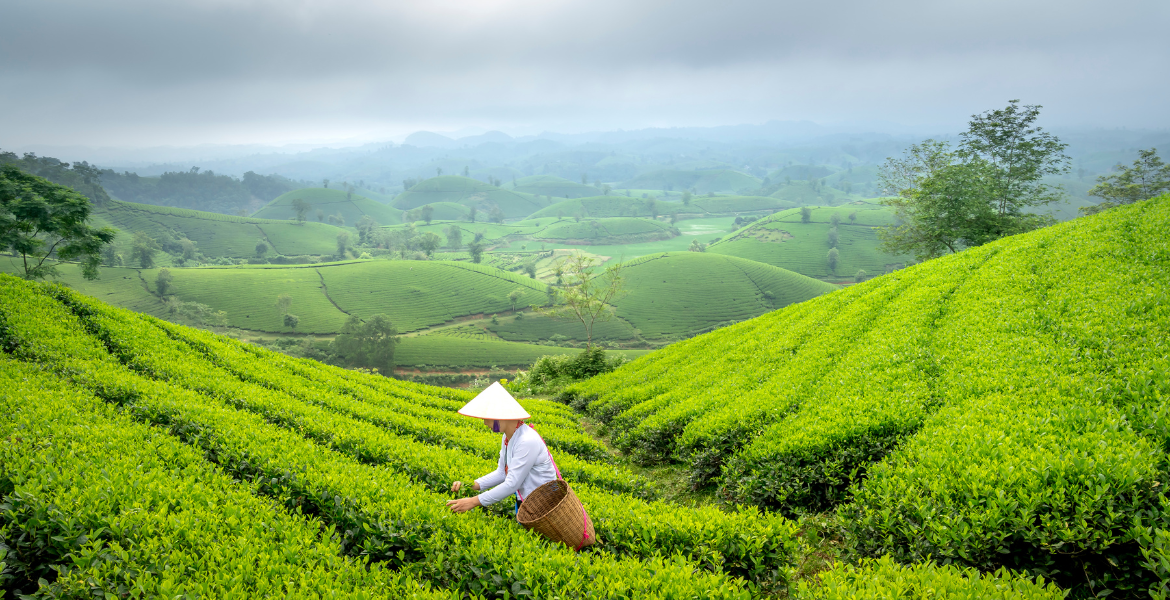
(261, 248)
(471, 214)
(370, 344)
(587, 294)
(283, 303)
(805, 214)
(835, 219)
(110, 256)
(144, 249)
(365, 228)
(860, 276)
(475, 249)
(343, 242)
(188, 249)
(1019, 155)
(428, 242)
(428, 213)
(496, 215)
(1147, 178)
(291, 321)
(301, 207)
(853, 217)
(943, 214)
(686, 198)
(697, 246)
(833, 237)
(162, 282)
(606, 189)
(40, 220)
(514, 296)
(834, 256)
(584, 179)
(454, 235)
(530, 269)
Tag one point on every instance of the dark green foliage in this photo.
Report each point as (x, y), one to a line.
(196, 189)
(40, 221)
(369, 344)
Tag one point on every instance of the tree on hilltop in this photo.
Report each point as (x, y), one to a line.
(162, 282)
(805, 214)
(40, 220)
(301, 207)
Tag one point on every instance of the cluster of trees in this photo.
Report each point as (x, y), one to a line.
(197, 190)
(947, 199)
(1148, 177)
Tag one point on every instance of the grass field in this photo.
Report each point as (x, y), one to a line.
(701, 182)
(324, 203)
(468, 192)
(451, 351)
(551, 185)
(534, 328)
(606, 231)
(783, 240)
(963, 409)
(682, 293)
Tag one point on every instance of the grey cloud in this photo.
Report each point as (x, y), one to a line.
(133, 69)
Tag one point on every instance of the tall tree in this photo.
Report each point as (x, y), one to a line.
(948, 200)
(428, 242)
(365, 228)
(586, 294)
(40, 221)
(428, 213)
(162, 282)
(454, 237)
(1019, 154)
(144, 249)
(475, 249)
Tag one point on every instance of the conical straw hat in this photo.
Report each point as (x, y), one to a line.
(494, 403)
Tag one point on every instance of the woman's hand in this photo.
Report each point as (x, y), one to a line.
(463, 504)
(458, 484)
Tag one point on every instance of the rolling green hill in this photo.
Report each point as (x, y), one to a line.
(468, 192)
(216, 234)
(551, 185)
(701, 182)
(326, 202)
(783, 240)
(678, 294)
(443, 211)
(1000, 407)
(810, 193)
(738, 204)
(441, 351)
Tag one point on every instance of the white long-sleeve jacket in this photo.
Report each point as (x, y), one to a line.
(525, 464)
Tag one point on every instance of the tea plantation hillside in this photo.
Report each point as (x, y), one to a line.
(551, 185)
(677, 294)
(785, 240)
(1000, 407)
(215, 234)
(139, 455)
(468, 192)
(324, 203)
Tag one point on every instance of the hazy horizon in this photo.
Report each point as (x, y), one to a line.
(130, 73)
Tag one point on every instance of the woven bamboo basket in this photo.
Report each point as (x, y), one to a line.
(555, 512)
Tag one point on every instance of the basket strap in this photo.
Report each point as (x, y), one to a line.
(550, 456)
(585, 533)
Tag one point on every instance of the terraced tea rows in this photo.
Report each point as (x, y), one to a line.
(1003, 407)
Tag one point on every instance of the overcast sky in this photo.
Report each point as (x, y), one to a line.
(140, 73)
